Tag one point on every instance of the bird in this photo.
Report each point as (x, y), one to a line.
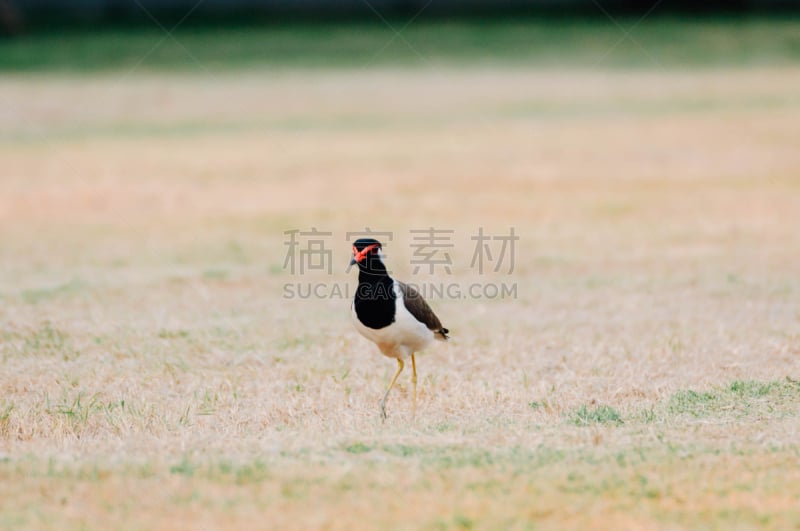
(391, 314)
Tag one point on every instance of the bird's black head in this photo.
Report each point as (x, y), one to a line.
(367, 254)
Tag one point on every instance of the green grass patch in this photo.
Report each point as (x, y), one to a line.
(77, 409)
(692, 402)
(455, 456)
(44, 340)
(754, 389)
(184, 468)
(739, 398)
(216, 274)
(357, 448)
(223, 470)
(37, 295)
(601, 414)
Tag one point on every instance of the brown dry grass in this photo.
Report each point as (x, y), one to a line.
(155, 377)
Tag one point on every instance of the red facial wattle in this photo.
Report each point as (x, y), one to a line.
(358, 256)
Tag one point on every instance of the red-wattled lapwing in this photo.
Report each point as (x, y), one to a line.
(391, 314)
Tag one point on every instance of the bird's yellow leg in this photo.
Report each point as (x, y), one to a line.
(414, 381)
(383, 402)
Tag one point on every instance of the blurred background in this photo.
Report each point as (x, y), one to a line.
(195, 133)
(115, 34)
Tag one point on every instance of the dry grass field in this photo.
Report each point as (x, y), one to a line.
(645, 375)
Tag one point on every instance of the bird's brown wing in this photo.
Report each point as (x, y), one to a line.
(417, 307)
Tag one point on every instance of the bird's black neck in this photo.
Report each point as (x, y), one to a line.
(373, 271)
(375, 298)
(375, 284)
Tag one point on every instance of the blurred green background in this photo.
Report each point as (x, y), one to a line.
(143, 36)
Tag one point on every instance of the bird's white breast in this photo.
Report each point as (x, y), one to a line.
(403, 337)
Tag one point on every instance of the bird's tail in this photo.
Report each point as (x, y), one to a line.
(441, 334)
